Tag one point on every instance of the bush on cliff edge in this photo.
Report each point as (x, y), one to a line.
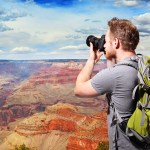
(103, 146)
(22, 147)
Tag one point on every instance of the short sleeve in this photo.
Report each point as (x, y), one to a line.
(103, 82)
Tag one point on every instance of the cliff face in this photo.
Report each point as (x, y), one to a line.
(48, 85)
(62, 127)
(67, 122)
(7, 83)
(12, 75)
(13, 112)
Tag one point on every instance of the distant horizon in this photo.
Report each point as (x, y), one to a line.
(63, 59)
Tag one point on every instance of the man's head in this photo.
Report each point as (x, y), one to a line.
(122, 34)
(125, 31)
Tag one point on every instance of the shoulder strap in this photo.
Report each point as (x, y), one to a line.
(132, 62)
(127, 64)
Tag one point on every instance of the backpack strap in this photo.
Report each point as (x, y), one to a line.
(142, 108)
(131, 61)
(118, 121)
(128, 62)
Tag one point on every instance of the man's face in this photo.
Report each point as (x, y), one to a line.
(109, 50)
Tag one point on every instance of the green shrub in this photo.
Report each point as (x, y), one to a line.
(22, 147)
(103, 146)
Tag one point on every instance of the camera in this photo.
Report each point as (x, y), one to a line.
(98, 43)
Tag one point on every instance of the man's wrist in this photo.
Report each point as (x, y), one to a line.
(90, 60)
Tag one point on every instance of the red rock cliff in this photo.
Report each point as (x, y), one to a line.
(83, 132)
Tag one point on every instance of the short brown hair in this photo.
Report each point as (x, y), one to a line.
(125, 31)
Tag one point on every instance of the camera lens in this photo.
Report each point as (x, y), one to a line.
(98, 43)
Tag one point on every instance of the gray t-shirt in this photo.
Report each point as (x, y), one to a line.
(119, 81)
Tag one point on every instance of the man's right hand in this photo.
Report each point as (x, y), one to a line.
(94, 54)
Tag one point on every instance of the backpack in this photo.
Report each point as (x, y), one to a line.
(138, 124)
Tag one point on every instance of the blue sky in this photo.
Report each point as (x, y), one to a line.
(57, 29)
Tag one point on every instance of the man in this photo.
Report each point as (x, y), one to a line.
(117, 81)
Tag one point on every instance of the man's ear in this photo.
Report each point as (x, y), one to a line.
(116, 43)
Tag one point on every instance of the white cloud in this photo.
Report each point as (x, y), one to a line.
(143, 22)
(129, 3)
(3, 27)
(88, 30)
(1, 51)
(68, 47)
(6, 15)
(23, 50)
(143, 18)
(52, 53)
(9, 14)
(77, 47)
(78, 52)
(60, 32)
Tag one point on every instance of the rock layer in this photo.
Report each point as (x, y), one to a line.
(66, 124)
(49, 85)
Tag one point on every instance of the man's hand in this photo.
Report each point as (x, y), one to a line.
(94, 54)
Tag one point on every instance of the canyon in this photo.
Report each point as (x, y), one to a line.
(37, 102)
(61, 126)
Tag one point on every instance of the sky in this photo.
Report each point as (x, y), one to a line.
(57, 29)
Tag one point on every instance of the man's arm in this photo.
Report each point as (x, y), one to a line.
(83, 83)
(83, 86)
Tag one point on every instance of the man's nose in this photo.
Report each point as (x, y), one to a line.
(105, 45)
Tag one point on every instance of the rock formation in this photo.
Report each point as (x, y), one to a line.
(49, 85)
(60, 126)
(68, 122)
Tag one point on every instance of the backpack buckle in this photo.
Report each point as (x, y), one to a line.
(146, 88)
(139, 106)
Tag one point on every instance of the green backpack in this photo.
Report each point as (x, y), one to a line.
(139, 123)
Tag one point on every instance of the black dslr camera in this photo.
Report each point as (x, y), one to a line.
(98, 43)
